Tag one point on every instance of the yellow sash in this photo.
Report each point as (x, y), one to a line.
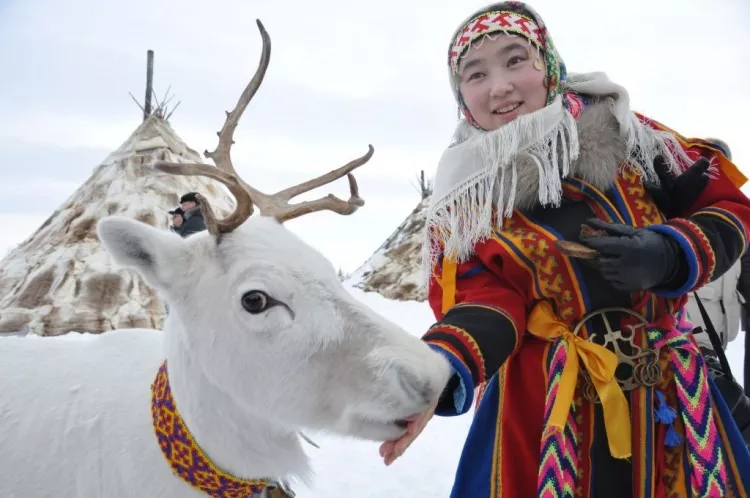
(600, 363)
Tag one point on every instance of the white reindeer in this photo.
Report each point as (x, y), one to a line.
(261, 342)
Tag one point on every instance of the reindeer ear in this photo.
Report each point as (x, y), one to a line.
(154, 253)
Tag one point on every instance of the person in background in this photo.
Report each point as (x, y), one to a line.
(177, 220)
(725, 299)
(193, 218)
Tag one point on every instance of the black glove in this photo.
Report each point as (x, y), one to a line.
(675, 195)
(634, 259)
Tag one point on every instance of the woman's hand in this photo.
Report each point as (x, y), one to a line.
(391, 450)
(675, 194)
(634, 259)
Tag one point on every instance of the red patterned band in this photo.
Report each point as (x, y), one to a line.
(502, 21)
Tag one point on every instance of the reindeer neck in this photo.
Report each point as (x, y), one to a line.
(235, 440)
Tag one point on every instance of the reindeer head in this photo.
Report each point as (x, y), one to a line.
(264, 316)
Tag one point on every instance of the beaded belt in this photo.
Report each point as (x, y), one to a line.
(637, 366)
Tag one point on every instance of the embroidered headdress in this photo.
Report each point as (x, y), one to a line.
(502, 20)
(477, 179)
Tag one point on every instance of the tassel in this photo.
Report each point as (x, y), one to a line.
(666, 415)
(672, 439)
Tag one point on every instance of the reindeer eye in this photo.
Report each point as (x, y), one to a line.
(256, 302)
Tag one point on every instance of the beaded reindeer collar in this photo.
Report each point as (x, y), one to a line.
(188, 460)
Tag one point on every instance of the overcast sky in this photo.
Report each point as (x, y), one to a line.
(343, 74)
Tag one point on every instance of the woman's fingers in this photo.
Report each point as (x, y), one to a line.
(391, 450)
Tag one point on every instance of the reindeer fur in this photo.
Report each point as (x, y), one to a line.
(75, 416)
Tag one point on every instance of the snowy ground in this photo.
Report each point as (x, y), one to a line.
(346, 468)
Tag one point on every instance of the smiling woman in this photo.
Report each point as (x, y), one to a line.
(587, 378)
(500, 78)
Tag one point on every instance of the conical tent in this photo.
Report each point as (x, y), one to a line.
(61, 279)
(394, 270)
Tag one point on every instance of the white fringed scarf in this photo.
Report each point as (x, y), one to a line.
(476, 176)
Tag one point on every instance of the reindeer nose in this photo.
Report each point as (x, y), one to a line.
(414, 386)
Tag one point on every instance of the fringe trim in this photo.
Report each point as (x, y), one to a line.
(644, 144)
(464, 215)
(488, 162)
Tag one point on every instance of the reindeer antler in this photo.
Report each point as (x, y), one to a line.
(242, 210)
(224, 171)
(276, 205)
(221, 155)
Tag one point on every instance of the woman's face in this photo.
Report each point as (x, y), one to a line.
(499, 80)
